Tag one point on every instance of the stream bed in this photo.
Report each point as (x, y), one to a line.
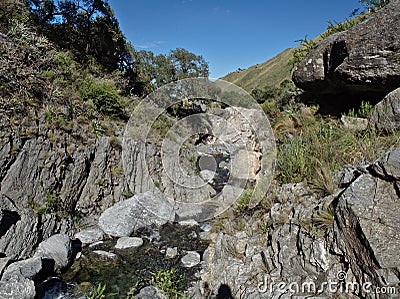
(127, 271)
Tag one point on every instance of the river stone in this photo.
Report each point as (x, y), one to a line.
(17, 287)
(58, 248)
(90, 235)
(150, 292)
(191, 259)
(171, 252)
(129, 242)
(105, 254)
(386, 114)
(140, 211)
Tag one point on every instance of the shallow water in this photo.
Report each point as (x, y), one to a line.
(132, 269)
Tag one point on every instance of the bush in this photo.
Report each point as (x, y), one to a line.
(104, 96)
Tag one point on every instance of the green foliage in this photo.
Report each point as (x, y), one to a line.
(169, 282)
(243, 201)
(373, 4)
(364, 111)
(335, 27)
(98, 293)
(273, 98)
(104, 96)
(302, 51)
(312, 148)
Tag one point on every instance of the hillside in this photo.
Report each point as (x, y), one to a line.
(269, 73)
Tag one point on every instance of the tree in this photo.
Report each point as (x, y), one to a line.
(187, 64)
(372, 4)
(88, 27)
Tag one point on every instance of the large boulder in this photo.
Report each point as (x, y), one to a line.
(17, 287)
(57, 248)
(367, 228)
(139, 211)
(364, 59)
(386, 114)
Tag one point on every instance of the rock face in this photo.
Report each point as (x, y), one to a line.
(142, 210)
(386, 114)
(364, 59)
(352, 237)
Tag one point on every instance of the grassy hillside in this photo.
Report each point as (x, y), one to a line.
(269, 73)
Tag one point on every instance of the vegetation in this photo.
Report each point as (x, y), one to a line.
(98, 293)
(169, 282)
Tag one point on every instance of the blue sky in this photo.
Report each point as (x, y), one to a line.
(229, 34)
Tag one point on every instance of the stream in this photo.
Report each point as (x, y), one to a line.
(130, 269)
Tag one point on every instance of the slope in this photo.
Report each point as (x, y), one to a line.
(269, 73)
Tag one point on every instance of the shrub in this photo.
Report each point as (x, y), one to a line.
(104, 96)
(169, 282)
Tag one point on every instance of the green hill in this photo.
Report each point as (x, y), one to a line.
(269, 73)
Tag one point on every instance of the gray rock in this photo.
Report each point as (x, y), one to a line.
(25, 269)
(142, 210)
(386, 114)
(17, 287)
(3, 264)
(354, 123)
(365, 58)
(150, 292)
(388, 166)
(57, 248)
(105, 254)
(90, 235)
(367, 229)
(191, 259)
(171, 252)
(129, 242)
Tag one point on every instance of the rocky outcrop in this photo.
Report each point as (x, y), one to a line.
(386, 114)
(350, 238)
(365, 59)
(140, 211)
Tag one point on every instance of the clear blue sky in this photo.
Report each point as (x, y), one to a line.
(228, 33)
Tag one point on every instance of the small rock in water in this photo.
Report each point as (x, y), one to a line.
(90, 235)
(189, 222)
(129, 242)
(191, 259)
(105, 254)
(95, 244)
(171, 252)
(150, 292)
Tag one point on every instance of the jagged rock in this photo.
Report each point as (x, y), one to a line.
(129, 242)
(142, 210)
(386, 114)
(150, 292)
(367, 229)
(3, 264)
(17, 287)
(191, 259)
(90, 235)
(363, 59)
(57, 248)
(28, 268)
(388, 166)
